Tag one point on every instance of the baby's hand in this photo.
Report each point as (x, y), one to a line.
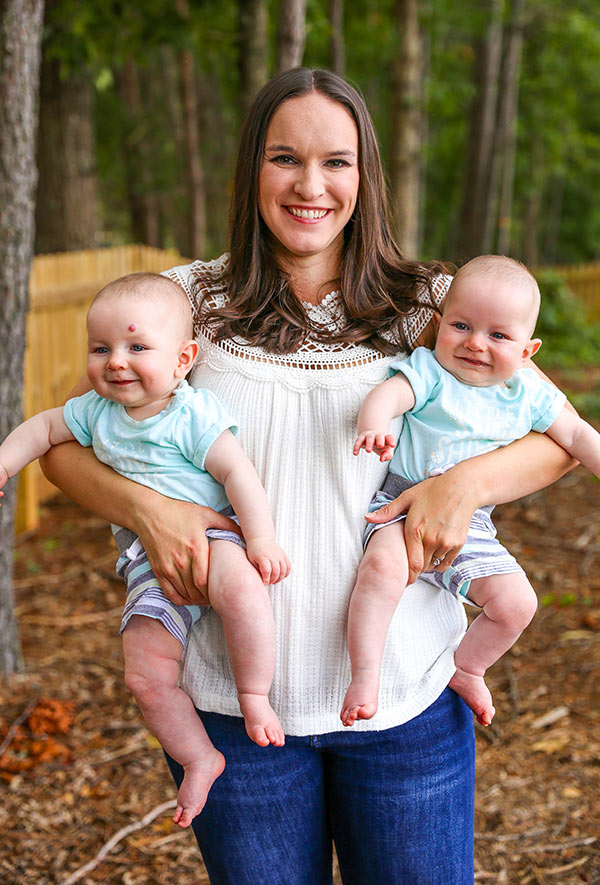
(383, 444)
(268, 559)
(3, 478)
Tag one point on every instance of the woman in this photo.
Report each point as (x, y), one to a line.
(294, 329)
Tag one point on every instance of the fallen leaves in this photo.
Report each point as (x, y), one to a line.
(31, 742)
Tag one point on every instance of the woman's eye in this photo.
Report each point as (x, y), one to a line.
(337, 164)
(283, 160)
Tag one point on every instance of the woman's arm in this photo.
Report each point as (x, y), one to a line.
(172, 532)
(440, 508)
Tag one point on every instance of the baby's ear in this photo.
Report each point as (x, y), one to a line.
(531, 348)
(187, 356)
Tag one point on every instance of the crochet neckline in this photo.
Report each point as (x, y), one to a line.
(326, 301)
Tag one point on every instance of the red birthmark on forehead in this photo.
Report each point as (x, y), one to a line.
(132, 327)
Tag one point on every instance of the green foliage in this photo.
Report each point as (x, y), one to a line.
(556, 218)
(569, 339)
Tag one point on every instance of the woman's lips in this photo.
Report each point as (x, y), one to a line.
(307, 214)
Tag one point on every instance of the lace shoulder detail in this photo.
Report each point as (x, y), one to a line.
(204, 283)
(416, 322)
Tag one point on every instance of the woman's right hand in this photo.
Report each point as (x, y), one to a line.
(174, 537)
(172, 532)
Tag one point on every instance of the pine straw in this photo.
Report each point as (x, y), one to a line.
(538, 804)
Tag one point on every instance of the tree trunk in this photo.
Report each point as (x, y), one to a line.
(338, 49)
(508, 124)
(476, 197)
(193, 163)
(407, 127)
(143, 202)
(253, 49)
(533, 206)
(21, 33)
(291, 36)
(67, 202)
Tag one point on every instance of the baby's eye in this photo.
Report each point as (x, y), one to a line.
(138, 348)
(100, 350)
(499, 336)
(462, 327)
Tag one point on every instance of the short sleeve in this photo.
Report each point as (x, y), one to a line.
(422, 371)
(203, 420)
(81, 415)
(414, 323)
(547, 401)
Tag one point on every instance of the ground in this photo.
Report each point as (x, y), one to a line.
(81, 766)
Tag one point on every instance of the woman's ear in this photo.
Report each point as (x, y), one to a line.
(187, 356)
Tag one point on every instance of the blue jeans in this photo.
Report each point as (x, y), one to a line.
(398, 804)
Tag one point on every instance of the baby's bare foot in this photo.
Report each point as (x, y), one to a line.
(262, 723)
(361, 699)
(198, 779)
(475, 693)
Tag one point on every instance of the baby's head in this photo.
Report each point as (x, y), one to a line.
(139, 339)
(488, 319)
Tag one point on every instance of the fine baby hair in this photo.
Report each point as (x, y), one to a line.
(152, 288)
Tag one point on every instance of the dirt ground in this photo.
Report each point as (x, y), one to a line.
(77, 764)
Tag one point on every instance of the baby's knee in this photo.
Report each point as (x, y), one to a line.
(139, 682)
(237, 592)
(519, 607)
(381, 568)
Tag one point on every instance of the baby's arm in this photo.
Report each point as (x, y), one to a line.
(228, 463)
(578, 438)
(388, 400)
(31, 440)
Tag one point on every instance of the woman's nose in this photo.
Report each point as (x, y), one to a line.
(309, 184)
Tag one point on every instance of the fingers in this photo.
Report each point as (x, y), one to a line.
(374, 441)
(389, 511)
(415, 555)
(273, 570)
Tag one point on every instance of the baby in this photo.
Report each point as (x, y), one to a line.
(144, 420)
(471, 395)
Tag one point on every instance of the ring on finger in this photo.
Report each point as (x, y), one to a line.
(437, 561)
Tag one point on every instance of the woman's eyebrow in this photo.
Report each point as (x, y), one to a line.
(280, 147)
(343, 152)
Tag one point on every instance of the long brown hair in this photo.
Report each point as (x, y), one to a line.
(378, 285)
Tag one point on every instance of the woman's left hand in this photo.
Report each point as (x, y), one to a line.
(438, 512)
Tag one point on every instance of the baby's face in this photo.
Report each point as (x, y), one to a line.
(484, 334)
(133, 350)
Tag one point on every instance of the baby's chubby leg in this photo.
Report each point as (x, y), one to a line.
(241, 600)
(151, 673)
(509, 604)
(381, 579)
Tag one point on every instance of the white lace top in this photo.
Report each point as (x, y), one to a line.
(297, 415)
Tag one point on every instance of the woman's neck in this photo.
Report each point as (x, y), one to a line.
(312, 276)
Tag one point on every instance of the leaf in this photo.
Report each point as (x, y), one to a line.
(552, 744)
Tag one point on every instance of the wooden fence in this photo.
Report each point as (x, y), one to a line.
(61, 287)
(584, 281)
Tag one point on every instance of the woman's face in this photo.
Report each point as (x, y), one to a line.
(309, 177)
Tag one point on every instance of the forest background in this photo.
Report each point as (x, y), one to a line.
(487, 114)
